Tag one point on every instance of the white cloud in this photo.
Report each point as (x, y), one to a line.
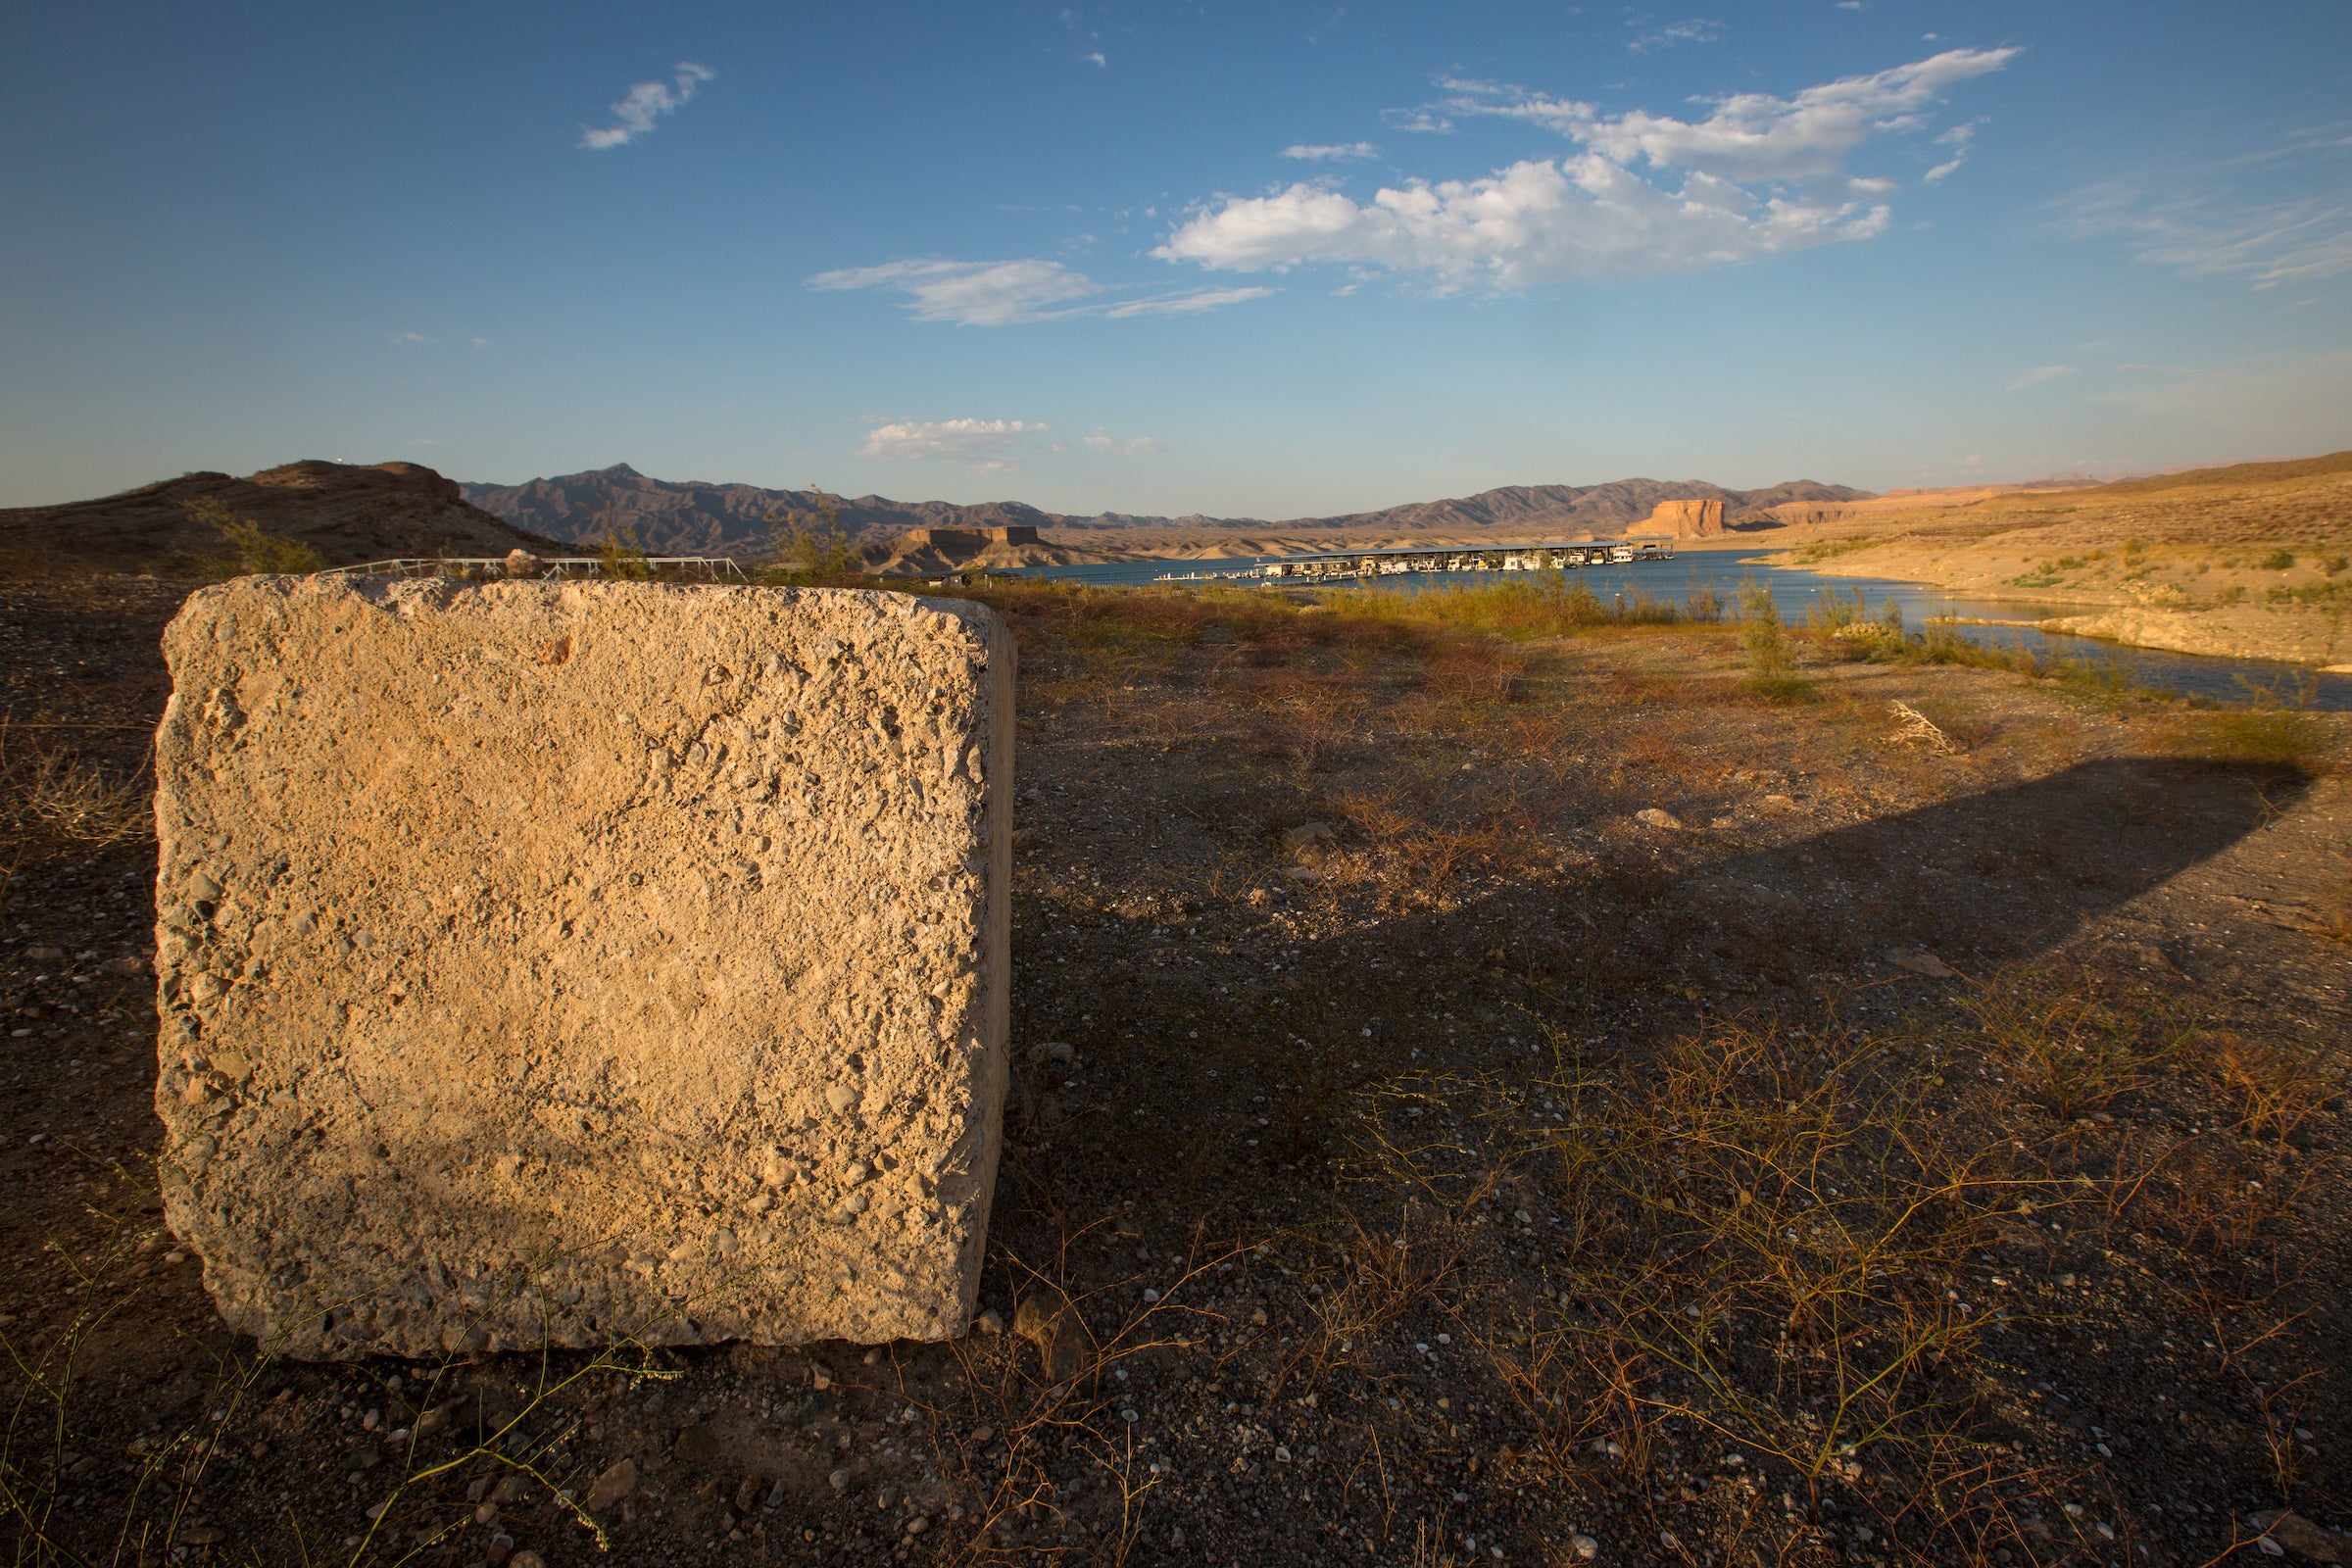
(1957, 139)
(2241, 217)
(1012, 293)
(970, 293)
(1694, 29)
(479, 342)
(1095, 59)
(647, 102)
(2040, 374)
(1757, 176)
(1331, 153)
(1192, 304)
(985, 444)
(1421, 121)
(1134, 446)
(406, 338)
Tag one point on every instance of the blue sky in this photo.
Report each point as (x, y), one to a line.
(1260, 259)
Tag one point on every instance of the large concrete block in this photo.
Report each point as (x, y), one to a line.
(552, 963)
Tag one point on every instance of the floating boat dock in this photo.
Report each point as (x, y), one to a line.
(1365, 564)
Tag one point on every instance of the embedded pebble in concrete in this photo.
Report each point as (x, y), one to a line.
(545, 961)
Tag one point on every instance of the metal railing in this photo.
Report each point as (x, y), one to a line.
(550, 568)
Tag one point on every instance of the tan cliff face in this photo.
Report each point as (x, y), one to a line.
(560, 962)
(1686, 520)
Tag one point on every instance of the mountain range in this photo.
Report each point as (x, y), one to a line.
(694, 518)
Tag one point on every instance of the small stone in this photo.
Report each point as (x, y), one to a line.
(616, 1483)
(2298, 1535)
(1584, 1547)
(526, 1559)
(1656, 816)
(840, 1480)
(1048, 1320)
(990, 1321)
(1918, 960)
(1308, 834)
(1779, 803)
(487, 1513)
(697, 1444)
(44, 954)
(200, 1535)
(917, 1524)
(885, 1496)
(983, 1433)
(501, 1548)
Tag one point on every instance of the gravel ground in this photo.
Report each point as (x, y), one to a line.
(1415, 1157)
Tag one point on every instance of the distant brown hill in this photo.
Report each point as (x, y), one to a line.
(679, 518)
(1574, 508)
(347, 512)
(673, 517)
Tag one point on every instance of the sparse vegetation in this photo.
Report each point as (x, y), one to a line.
(1503, 1169)
(808, 548)
(250, 550)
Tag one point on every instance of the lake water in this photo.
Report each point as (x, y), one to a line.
(1726, 571)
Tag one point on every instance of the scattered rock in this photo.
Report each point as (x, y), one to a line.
(1656, 816)
(2301, 1537)
(44, 954)
(1048, 1320)
(200, 1535)
(1584, 1547)
(1921, 962)
(1779, 803)
(990, 1322)
(526, 1559)
(616, 1483)
(840, 1481)
(127, 967)
(697, 1444)
(1308, 834)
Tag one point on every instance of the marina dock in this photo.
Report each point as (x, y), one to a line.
(1324, 566)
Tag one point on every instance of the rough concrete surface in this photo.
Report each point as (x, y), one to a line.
(555, 962)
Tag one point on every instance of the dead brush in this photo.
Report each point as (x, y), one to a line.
(2276, 1090)
(1037, 1410)
(56, 795)
(1763, 1232)
(177, 1464)
(2073, 1047)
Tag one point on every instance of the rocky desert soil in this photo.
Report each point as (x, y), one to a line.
(1548, 1097)
(2253, 562)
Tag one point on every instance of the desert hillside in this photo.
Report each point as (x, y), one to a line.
(690, 516)
(346, 513)
(2253, 561)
